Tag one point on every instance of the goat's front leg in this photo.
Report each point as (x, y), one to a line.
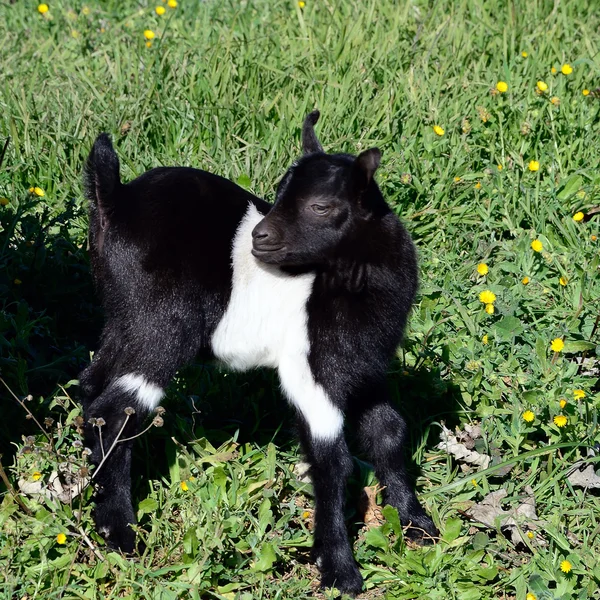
(330, 464)
(114, 416)
(383, 432)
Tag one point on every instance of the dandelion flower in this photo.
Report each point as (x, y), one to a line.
(560, 420)
(586, 92)
(530, 596)
(4, 201)
(524, 54)
(534, 165)
(566, 566)
(160, 10)
(438, 130)
(563, 281)
(482, 269)
(36, 476)
(474, 483)
(593, 238)
(530, 535)
(528, 416)
(502, 86)
(172, 3)
(542, 86)
(457, 180)
(184, 486)
(500, 167)
(485, 339)
(566, 69)
(557, 345)
(555, 100)
(148, 44)
(553, 70)
(578, 216)
(487, 297)
(43, 9)
(478, 185)
(525, 280)
(301, 4)
(489, 309)
(61, 538)
(149, 34)
(562, 403)
(537, 246)
(306, 515)
(578, 394)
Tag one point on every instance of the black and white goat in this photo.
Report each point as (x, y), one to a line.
(317, 286)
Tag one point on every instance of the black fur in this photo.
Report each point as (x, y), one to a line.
(161, 253)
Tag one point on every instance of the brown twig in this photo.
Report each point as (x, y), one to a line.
(12, 490)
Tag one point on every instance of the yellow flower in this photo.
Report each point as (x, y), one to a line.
(37, 475)
(562, 403)
(172, 3)
(306, 514)
(566, 69)
(528, 416)
(542, 86)
(487, 297)
(456, 179)
(38, 191)
(478, 185)
(557, 345)
(301, 4)
(43, 9)
(500, 167)
(502, 86)
(578, 394)
(4, 201)
(534, 165)
(563, 281)
(148, 44)
(530, 535)
(184, 486)
(485, 339)
(586, 92)
(525, 280)
(149, 34)
(560, 420)
(524, 54)
(553, 70)
(578, 216)
(482, 269)
(555, 100)
(474, 483)
(17, 282)
(489, 309)
(85, 10)
(537, 246)
(566, 566)
(531, 596)
(593, 238)
(160, 10)
(438, 130)
(61, 538)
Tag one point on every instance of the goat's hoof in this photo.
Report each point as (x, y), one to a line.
(116, 531)
(422, 532)
(342, 575)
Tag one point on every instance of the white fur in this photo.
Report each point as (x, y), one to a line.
(147, 393)
(265, 325)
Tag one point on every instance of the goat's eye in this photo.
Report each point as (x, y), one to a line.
(319, 209)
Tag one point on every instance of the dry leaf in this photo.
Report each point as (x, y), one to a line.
(585, 479)
(55, 488)
(372, 516)
(451, 444)
(490, 512)
(302, 472)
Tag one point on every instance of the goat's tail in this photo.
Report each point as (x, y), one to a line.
(102, 180)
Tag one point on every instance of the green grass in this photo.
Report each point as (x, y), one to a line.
(224, 87)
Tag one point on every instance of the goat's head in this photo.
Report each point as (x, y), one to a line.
(322, 202)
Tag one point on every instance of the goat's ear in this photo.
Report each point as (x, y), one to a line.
(102, 175)
(310, 142)
(365, 165)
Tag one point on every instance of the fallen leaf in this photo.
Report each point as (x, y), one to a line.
(451, 444)
(585, 479)
(372, 516)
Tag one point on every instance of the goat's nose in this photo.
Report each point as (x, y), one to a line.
(261, 233)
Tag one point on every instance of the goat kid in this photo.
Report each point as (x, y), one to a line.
(317, 286)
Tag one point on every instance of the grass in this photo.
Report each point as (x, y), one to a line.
(224, 86)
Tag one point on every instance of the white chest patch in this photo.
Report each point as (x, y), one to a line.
(265, 325)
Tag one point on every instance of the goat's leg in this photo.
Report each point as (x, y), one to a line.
(117, 414)
(95, 377)
(330, 464)
(382, 432)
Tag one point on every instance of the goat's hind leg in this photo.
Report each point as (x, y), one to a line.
(382, 432)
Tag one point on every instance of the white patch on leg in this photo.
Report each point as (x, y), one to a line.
(147, 393)
(265, 325)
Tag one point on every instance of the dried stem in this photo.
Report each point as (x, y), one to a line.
(95, 473)
(12, 490)
(26, 409)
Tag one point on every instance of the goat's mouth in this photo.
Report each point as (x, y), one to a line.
(272, 254)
